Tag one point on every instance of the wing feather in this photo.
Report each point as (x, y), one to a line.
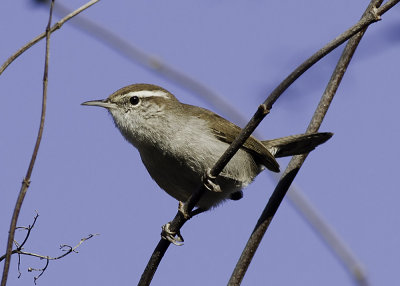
(226, 131)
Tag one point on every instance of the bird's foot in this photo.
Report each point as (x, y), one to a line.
(173, 237)
(210, 182)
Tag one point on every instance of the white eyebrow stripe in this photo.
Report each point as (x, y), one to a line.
(148, 93)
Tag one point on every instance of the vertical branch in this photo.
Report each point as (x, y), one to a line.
(26, 180)
(297, 161)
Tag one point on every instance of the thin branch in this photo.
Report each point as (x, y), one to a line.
(318, 223)
(19, 250)
(262, 111)
(56, 26)
(297, 161)
(64, 247)
(42, 270)
(67, 248)
(26, 181)
(29, 229)
(19, 266)
(27, 235)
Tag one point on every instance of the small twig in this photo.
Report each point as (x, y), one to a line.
(64, 247)
(297, 161)
(28, 233)
(19, 266)
(260, 114)
(29, 228)
(43, 35)
(67, 248)
(20, 246)
(42, 270)
(26, 181)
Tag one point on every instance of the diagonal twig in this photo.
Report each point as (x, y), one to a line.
(260, 114)
(29, 229)
(296, 163)
(55, 27)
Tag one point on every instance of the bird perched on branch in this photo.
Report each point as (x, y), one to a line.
(178, 143)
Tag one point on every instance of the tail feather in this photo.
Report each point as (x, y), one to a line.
(296, 144)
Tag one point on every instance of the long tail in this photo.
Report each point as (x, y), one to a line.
(296, 144)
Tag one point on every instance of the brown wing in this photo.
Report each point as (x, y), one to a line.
(226, 131)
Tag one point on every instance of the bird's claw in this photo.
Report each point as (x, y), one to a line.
(173, 237)
(210, 184)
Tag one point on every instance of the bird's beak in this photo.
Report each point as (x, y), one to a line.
(102, 103)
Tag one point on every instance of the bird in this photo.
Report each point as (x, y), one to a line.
(178, 143)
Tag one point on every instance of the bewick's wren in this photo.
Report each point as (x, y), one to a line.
(178, 143)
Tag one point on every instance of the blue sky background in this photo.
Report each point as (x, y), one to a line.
(87, 179)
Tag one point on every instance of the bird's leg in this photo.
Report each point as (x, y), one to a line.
(182, 208)
(176, 237)
(210, 183)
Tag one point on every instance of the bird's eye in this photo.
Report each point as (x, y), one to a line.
(134, 100)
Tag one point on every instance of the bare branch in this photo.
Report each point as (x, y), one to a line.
(29, 228)
(42, 270)
(19, 266)
(64, 247)
(56, 26)
(26, 181)
(260, 114)
(28, 233)
(297, 161)
(67, 249)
